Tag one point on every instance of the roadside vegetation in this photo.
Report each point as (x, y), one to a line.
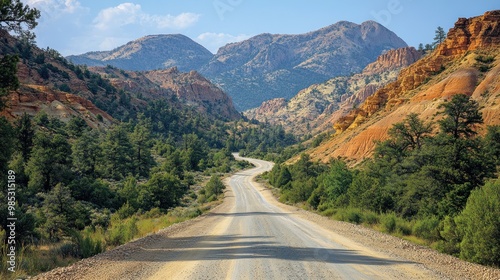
(435, 184)
(80, 191)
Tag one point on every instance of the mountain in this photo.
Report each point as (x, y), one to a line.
(466, 62)
(314, 109)
(191, 89)
(102, 95)
(270, 66)
(150, 53)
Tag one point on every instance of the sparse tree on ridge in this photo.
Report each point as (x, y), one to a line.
(439, 37)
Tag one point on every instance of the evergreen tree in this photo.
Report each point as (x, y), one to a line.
(214, 186)
(50, 162)
(8, 76)
(141, 142)
(87, 153)
(165, 189)
(6, 145)
(25, 134)
(14, 16)
(461, 116)
(117, 153)
(58, 208)
(76, 126)
(337, 181)
(439, 37)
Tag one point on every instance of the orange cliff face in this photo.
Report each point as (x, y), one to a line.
(31, 99)
(468, 62)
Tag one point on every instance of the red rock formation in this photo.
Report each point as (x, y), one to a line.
(31, 99)
(393, 59)
(456, 66)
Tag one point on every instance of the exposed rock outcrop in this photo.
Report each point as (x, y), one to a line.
(271, 66)
(316, 108)
(466, 62)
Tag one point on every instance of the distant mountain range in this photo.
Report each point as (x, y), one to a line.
(150, 53)
(314, 109)
(103, 95)
(263, 67)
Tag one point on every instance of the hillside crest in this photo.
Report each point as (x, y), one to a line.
(466, 62)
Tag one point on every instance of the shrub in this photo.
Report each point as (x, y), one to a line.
(125, 211)
(370, 218)
(120, 232)
(389, 222)
(68, 250)
(479, 225)
(427, 228)
(451, 238)
(403, 226)
(350, 215)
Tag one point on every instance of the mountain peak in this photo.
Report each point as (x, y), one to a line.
(466, 62)
(270, 66)
(151, 52)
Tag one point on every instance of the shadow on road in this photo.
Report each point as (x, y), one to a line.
(232, 247)
(244, 214)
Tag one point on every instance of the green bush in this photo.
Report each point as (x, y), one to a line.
(328, 212)
(68, 250)
(121, 232)
(479, 224)
(350, 215)
(403, 227)
(451, 238)
(427, 228)
(370, 218)
(389, 222)
(125, 211)
(82, 246)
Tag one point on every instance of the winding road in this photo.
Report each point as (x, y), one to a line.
(249, 236)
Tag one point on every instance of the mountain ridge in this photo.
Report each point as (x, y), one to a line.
(48, 82)
(288, 63)
(466, 62)
(315, 108)
(264, 66)
(150, 52)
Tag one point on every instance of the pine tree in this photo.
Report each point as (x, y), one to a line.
(25, 134)
(14, 16)
(117, 153)
(439, 37)
(87, 153)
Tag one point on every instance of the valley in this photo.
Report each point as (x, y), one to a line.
(252, 236)
(340, 153)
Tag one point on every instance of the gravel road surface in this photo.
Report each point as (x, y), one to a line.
(252, 236)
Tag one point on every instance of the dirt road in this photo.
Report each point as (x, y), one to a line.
(252, 236)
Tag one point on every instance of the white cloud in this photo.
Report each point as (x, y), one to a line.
(121, 15)
(129, 13)
(213, 41)
(55, 8)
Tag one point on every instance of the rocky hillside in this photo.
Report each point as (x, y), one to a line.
(314, 109)
(151, 53)
(270, 66)
(50, 83)
(467, 62)
(191, 89)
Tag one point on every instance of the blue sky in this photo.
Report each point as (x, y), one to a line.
(78, 26)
